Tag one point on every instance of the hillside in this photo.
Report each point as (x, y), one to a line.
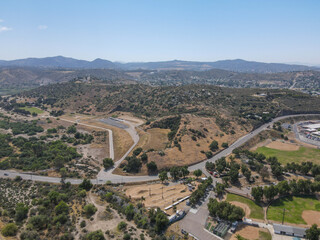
(237, 65)
(147, 101)
(16, 79)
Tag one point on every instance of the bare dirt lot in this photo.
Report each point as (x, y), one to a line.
(311, 217)
(248, 232)
(281, 145)
(153, 194)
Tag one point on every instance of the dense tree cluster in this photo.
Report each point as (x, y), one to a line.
(179, 172)
(35, 154)
(284, 188)
(200, 192)
(29, 128)
(225, 210)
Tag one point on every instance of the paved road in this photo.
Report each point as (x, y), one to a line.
(104, 176)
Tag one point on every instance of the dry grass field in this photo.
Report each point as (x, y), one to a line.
(152, 193)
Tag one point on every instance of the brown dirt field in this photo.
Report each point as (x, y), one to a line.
(311, 217)
(170, 194)
(279, 145)
(154, 138)
(248, 232)
(245, 207)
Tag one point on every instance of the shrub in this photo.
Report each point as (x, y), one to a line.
(108, 163)
(122, 226)
(10, 229)
(89, 210)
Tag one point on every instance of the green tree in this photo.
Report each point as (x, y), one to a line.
(122, 226)
(214, 146)
(283, 188)
(89, 210)
(152, 167)
(234, 174)
(163, 176)
(313, 233)
(162, 221)
(61, 208)
(197, 173)
(21, 212)
(184, 171)
(129, 211)
(86, 184)
(108, 163)
(225, 145)
(144, 157)
(9, 230)
(270, 192)
(96, 235)
(257, 193)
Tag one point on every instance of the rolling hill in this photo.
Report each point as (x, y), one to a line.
(237, 65)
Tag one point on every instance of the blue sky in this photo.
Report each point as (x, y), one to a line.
(149, 30)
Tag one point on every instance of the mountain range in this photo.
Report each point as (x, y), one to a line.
(237, 65)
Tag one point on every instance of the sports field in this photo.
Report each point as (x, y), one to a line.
(294, 208)
(256, 211)
(302, 155)
(32, 110)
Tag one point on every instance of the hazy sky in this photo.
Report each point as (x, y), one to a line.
(150, 30)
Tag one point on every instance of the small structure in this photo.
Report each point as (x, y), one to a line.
(221, 229)
(289, 230)
(176, 217)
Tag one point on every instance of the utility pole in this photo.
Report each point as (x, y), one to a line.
(149, 192)
(284, 212)
(162, 192)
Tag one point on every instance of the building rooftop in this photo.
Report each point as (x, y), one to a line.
(289, 229)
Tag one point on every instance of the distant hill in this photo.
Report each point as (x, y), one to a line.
(58, 62)
(237, 65)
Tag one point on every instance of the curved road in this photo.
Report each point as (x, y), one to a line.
(105, 176)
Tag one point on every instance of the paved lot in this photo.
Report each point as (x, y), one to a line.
(114, 123)
(195, 220)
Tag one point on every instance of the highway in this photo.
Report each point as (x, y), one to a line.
(105, 176)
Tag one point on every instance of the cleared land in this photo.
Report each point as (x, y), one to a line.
(279, 145)
(152, 194)
(302, 155)
(252, 233)
(32, 110)
(294, 207)
(256, 211)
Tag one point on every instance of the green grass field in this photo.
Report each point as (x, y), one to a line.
(302, 155)
(294, 207)
(32, 110)
(255, 210)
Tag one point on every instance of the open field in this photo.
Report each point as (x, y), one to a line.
(32, 110)
(153, 194)
(295, 206)
(154, 138)
(255, 210)
(252, 233)
(281, 145)
(302, 155)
